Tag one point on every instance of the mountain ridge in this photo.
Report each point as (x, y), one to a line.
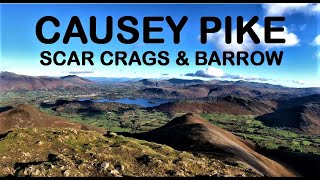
(27, 116)
(191, 132)
(10, 81)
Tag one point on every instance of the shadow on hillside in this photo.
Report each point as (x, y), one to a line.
(61, 102)
(281, 118)
(298, 101)
(288, 111)
(5, 108)
(85, 108)
(3, 135)
(307, 164)
(90, 112)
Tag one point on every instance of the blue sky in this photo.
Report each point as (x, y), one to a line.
(20, 48)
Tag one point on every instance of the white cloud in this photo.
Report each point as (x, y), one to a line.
(253, 78)
(303, 83)
(217, 73)
(81, 72)
(248, 45)
(316, 40)
(280, 9)
(219, 39)
(298, 81)
(213, 72)
(210, 72)
(316, 7)
(291, 38)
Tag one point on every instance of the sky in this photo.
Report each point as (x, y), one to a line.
(20, 48)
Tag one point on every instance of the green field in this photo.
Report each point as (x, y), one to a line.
(246, 127)
(137, 120)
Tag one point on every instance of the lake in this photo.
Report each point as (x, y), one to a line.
(139, 101)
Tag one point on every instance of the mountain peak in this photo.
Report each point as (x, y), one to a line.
(191, 132)
(76, 80)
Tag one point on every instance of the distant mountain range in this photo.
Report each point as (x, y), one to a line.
(196, 88)
(168, 88)
(228, 105)
(11, 81)
(187, 82)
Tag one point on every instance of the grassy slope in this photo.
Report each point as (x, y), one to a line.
(66, 152)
